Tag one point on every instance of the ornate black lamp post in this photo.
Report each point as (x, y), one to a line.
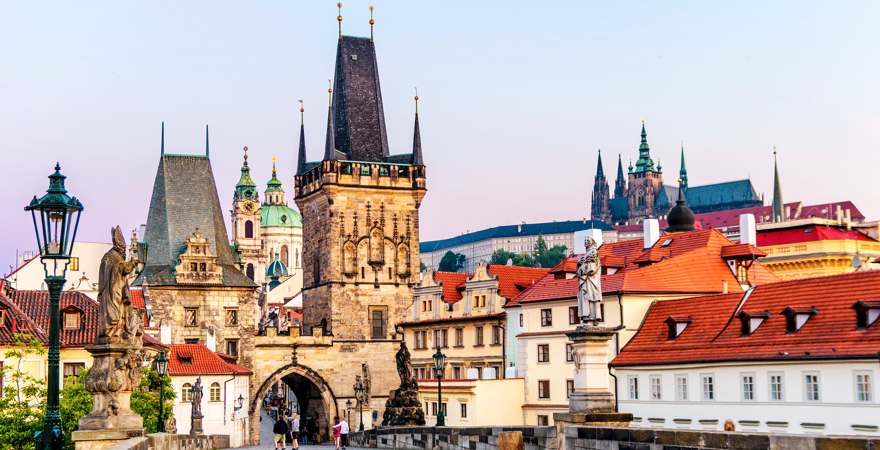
(348, 411)
(162, 369)
(359, 390)
(439, 368)
(55, 215)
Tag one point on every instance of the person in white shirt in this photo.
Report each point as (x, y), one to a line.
(343, 430)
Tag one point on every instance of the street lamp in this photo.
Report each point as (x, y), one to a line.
(53, 214)
(162, 368)
(439, 368)
(359, 389)
(348, 411)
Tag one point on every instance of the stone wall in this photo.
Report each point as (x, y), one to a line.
(165, 441)
(448, 438)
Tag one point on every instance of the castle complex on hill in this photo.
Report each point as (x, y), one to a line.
(643, 194)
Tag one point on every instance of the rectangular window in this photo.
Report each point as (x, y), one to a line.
(434, 409)
(708, 386)
(456, 372)
(544, 389)
(71, 320)
(232, 347)
(546, 317)
(72, 369)
(569, 388)
(656, 387)
(191, 317)
(569, 352)
(543, 420)
(437, 339)
(459, 337)
(191, 340)
(748, 387)
(231, 316)
(378, 320)
(496, 335)
(777, 387)
(463, 407)
(521, 320)
(444, 338)
(681, 387)
(811, 387)
(864, 387)
(633, 385)
(573, 318)
(478, 335)
(543, 353)
(74, 263)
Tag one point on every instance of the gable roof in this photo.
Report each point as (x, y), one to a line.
(35, 305)
(809, 233)
(185, 198)
(196, 359)
(719, 194)
(514, 279)
(525, 229)
(451, 284)
(714, 333)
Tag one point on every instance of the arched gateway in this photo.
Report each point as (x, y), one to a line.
(313, 394)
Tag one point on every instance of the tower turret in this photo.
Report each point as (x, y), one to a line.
(600, 208)
(620, 182)
(682, 172)
(778, 204)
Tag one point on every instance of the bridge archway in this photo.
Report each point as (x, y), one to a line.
(316, 400)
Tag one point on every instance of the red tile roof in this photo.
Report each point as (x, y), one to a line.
(740, 251)
(451, 282)
(689, 263)
(15, 321)
(137, 299)
(714, 334)
(514, 279)
(196, 359)
(809, 233)
(35, 305)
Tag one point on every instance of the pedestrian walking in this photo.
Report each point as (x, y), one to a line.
(337, 432)
(280, 431)
(343, 431)
(294, 431)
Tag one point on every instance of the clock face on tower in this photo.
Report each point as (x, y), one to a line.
(248, 207)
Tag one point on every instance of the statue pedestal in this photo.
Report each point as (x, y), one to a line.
(110, 384)
(196, 429)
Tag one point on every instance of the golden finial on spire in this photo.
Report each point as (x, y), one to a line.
(372, 22)
(273, 164)
(416, 98)
(302, 110)
(245, 153)
(339, 18)
(330, 91)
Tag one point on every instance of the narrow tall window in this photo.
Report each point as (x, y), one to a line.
(543, 353)
(215, 392)
(811, 387)
(633, 385)
(496, 335)
(285, 255)
(546, 317)
(681, 387)
(232, 347)
(656, 387)
(478, 335)
(543, 389)
(708, 386)
(191, 317)
(377, 323)
(748, 387)
(573, 315)
(231, 316)
(463, 413)
(777, 387)
(521, 320)
(864, 387)
(248, 229)
(569, 388)
(569, 352)
(459, 337)
(249, 271)
(186, 393)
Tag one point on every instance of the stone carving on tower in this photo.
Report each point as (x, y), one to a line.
(197, 264)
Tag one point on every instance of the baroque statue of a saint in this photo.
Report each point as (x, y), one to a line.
(589, 273)
(197, 399)
(117, 324)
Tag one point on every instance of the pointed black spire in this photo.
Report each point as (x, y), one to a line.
(417, 137)
(163, 139)
(301, 156)
(682, 172)
(207, 145)
(600, 172)
(620, 183)
(778, 205)
(330, 144)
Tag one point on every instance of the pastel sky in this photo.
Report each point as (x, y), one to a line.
(517, 96)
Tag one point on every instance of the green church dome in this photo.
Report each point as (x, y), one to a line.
(279, 216)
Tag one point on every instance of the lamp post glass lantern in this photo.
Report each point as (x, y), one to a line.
(162, 369)
(439, 369)
(56, 219)
(348, 411)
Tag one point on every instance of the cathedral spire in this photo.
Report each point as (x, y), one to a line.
(644, 163)
(207, 143)
(682, 172)
(778, 205)
(417, 137)
(245, 188)
(600, 172)
(301, 156)
(620, 182)
(330, 144)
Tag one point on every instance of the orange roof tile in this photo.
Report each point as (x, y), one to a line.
(196, 359)
(715, 335)
(451, 283)
(514, 279)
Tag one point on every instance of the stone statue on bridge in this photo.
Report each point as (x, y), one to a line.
(403, 406)
(589, 294)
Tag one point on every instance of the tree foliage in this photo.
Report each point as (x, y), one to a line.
(452, 262)
(541, 255)
(145, 399)
(23, 399)
(76, 402)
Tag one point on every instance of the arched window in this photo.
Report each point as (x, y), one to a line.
(186, 393)
(215, 392)
(284, 255)
(249, 271)
(248, 229)
(297, 257)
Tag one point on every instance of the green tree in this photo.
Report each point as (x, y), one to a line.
(452, 262)
(23, 399)
(501, 257)
(541, 256)
(76, 402)
(145, 399)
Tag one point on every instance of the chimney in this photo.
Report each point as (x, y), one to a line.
(787, 213)
(747, 233)
(165, 333)
(650, 232)
(211, 340)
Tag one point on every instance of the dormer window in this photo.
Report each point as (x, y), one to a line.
(749, 322)
(676, 326)
(866, 313)
(666, 243)
(795, 318)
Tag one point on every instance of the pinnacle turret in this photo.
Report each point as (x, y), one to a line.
(682, 172)
(778, 205)
(245, 188)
